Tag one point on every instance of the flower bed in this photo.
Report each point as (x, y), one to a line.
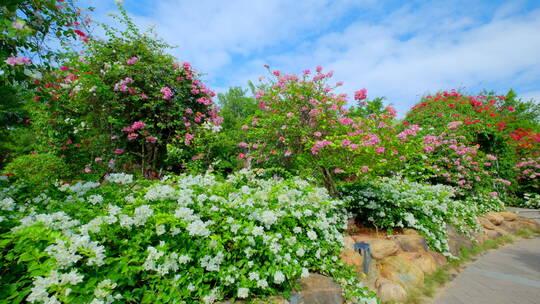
(185, 239)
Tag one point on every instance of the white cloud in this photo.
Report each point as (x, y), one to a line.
(401, 52)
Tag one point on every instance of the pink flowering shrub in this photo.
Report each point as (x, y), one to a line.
(122, 99)
(528, 179)
(302, 125)
(450, 159)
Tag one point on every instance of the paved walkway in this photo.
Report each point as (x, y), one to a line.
(508, 275)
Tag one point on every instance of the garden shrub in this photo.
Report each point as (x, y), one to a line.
(305, 128)
(121, 103)
(37, 170)
(450, 159)
(393, 203)
(185, 239)
(503, 126)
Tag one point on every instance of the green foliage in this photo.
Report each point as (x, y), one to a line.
(369, 107)
(37, 170)
(391, 203)
(189, 239)
(124, 101)
(235, 107)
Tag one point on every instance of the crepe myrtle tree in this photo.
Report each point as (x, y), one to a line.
(122, 98)
(302, 125)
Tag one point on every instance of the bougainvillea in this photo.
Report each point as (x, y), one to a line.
(492, 121)
(122, 98)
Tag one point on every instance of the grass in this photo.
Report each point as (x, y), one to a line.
(448, 271)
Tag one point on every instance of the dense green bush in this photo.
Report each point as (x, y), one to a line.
(391, 203)
(185, 239)
(37, 170)
(120, 104)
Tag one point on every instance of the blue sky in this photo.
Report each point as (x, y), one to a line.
(398, 49)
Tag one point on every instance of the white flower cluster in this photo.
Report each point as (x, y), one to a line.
(7, 204)
(140, 216)
(231, 237)
(160, 193)
(119, 178)
(426, 208)
(40, 293)
(79, 188)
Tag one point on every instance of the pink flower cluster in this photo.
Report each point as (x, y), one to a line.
(411, 131)
(360, 95)
(13, 61)
(122, 85)
(167, 93)
(132, 60)
(134, 127)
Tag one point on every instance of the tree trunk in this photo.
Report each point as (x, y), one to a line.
(329, 183)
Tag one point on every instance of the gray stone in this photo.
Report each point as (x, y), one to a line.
(317, 289)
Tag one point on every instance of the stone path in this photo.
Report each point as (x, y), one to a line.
(508, 275)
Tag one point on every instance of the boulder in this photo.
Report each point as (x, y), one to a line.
(391, 292)
(317, 289)
(427, 263)
(487, 224)
(402, 271)
(348, 242)
(480, 237)
(408, 231)
(411, 243)
(423, 260)
(494, 218)
(501, 231)
(439, 258)
(511, 227)
(528, 223)
(352, 258)
(493, 234)
(508, 216)
(457, 240)
(370, 279)
(382, 248)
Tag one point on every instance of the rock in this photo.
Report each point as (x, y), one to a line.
(400, 270)
(494, 218)
(512, 227)
(410, 256)
(380, 281)
(493, 234)
(501, 231)
(423, 260)
(382, 248)
(480, 237)
(317, 289)
(348, 242)
(372, 276)
(409, 231)
(508, 216)
(352, 258)
(390, 291)
(427, 263)
(487, 224)
(351, 226)
(411, 243)
(457, 240)
(528, 223)
(439, 258)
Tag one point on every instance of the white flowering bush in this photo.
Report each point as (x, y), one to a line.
(530, 200)
(186, 239)
(390, 203)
